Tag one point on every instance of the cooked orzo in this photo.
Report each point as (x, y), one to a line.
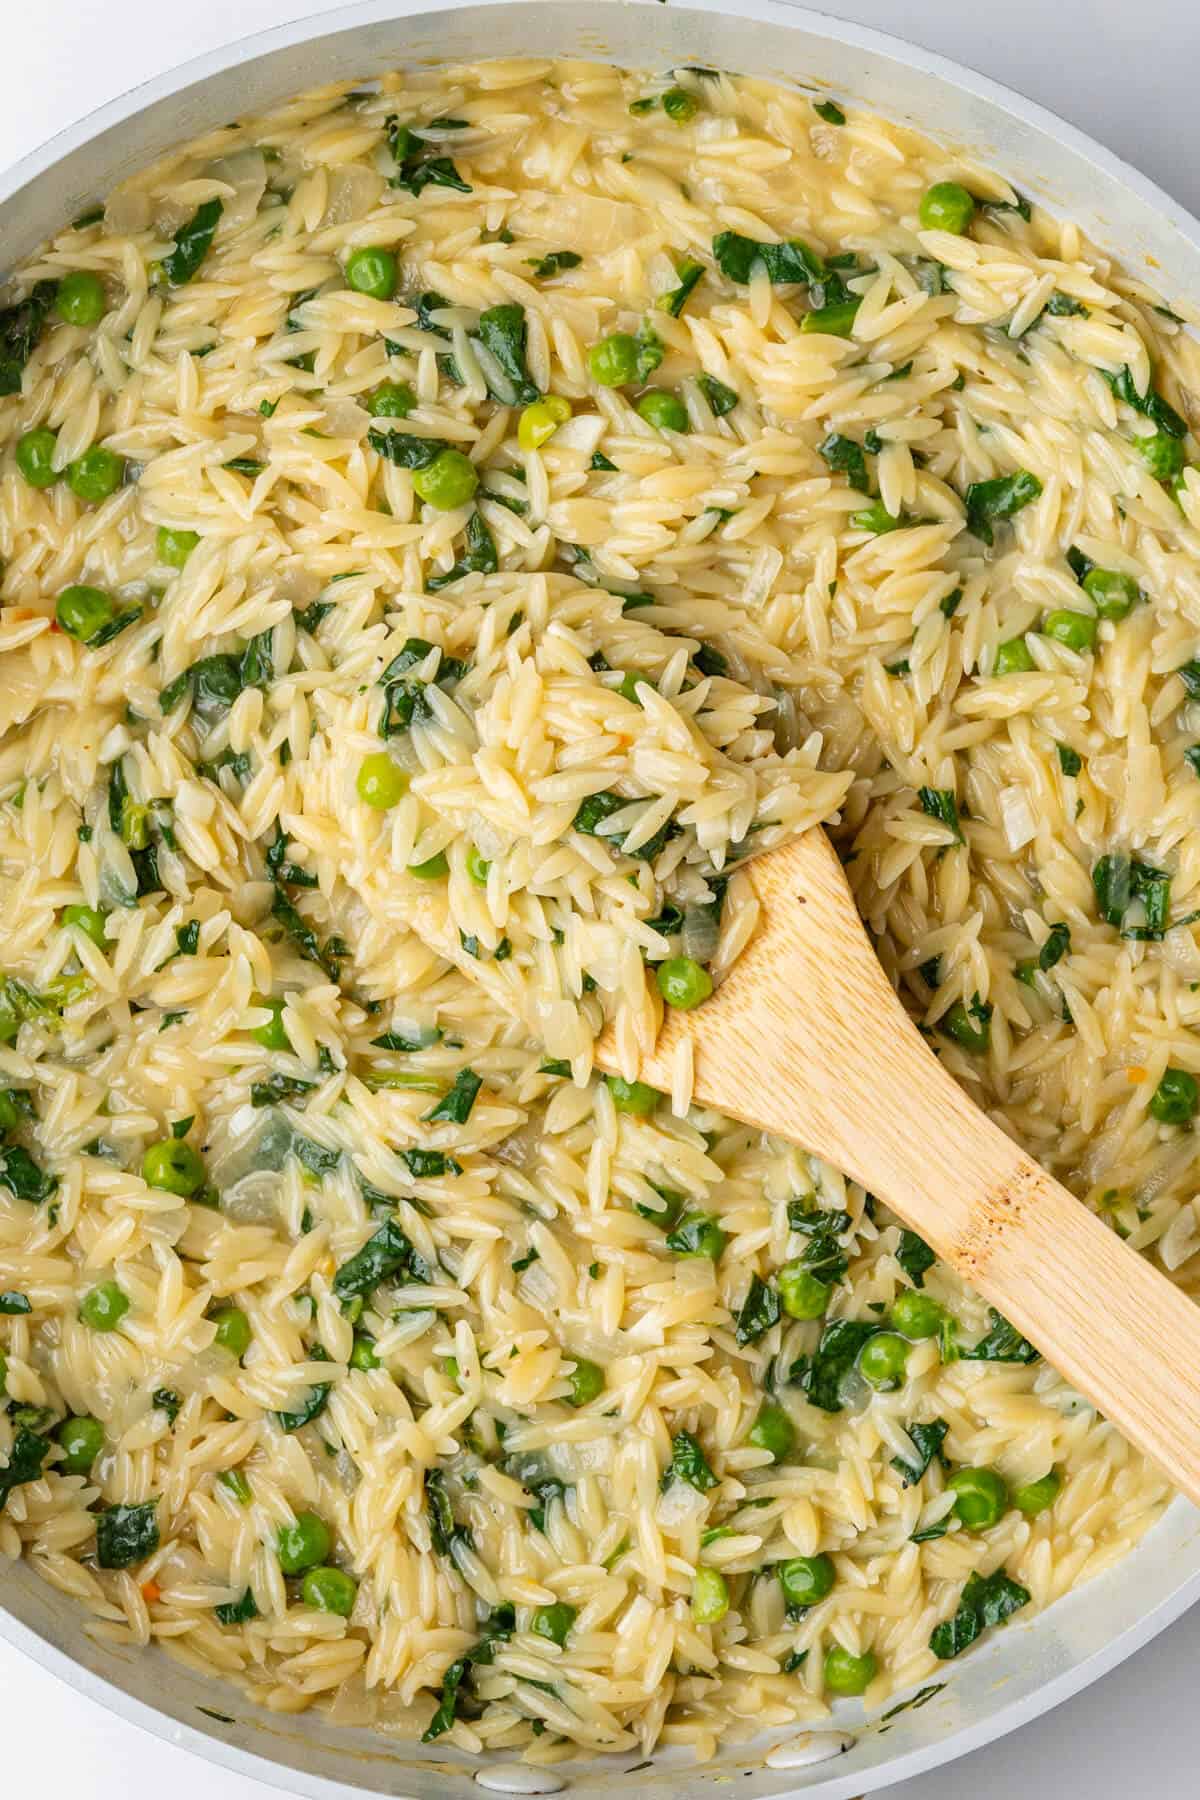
(447, 528)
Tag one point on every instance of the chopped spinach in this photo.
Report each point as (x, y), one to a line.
(913, 1253)
(791, 261)
(673, 302)
(503, 331)
(443, 1527)
(758, 1312)
(721, 399)
(314, 1402)
(406, 450)
(927, 1442)
(688, 1463)
(1056, 946)
(25, 1460)
(427, 1165)
(480, 557)
(237, 1612)
(22, 1176)
(279, 1087)
(940, 804)
(1062, 306)
(847, 458)
(13, 1303)
(1001, 498)
(456, 1105)
(398, 1040)
(833, 1359)
(192, 242)
(1003, 1343)
(500, 1625)
(166, 1400)
(417, 164)
(985, 1600)
(546, 267)
(1069, 761)
(126, 1535)
(383, 1257)
(1150, 405)
(21, 327)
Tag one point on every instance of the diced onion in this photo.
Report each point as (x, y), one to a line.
(1016, 817)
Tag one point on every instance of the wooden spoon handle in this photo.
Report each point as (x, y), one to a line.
(807, 1039)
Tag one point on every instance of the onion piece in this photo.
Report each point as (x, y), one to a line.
(353, 193)
(1016, 817)
(701, 930)
(246, 173)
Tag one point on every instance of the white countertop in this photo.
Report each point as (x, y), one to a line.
(1125, 70)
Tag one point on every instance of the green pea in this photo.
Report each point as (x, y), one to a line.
(173, 1166)
(96, 474)
(174, 547)
(80, 299)
(82, 1439)
(710, 1596)
(883, 1359)
(683, 983)
(362, 1353)
(435, 868)
(773, 1431)
(632, 1096)
(1162, 455)
(541, 419)
(303, 1545)
(613, 362)
(802, 1294)
(666, 412)
(1013, 658)
(946, 206)
(587, 1380)
(553, 1622)
(104, 1306)
(917, 1315)
(329, 1591)
(449, 481)
(971, 1033)
(272, 1035)
(981, 1497)
(477, 867)
(381, 782)
(806, 1579)
(1175, 1099)
(35, 457)
(235, 1483)
(89, 920)
(1074, 629)
(83, 611)
(679, 105)
(233, 1330)
(392, 400)
(1115, 594)
(697, 1234)
(1036, 1496)
(848, 1674)
(372, 272)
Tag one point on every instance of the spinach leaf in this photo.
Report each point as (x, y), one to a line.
(216, 681)
(830, 111)
(603, 464)
(114, 627)
(398, 1040)
(443, 1528)
(673, 302)
(1069, 761)
(279, 1087)
(531, 1472)
(1056, 946)
(416, 168)
(1152, 406)
(940, 804)
(315, 1401)
(649, 351)
(545, 267)
(1003, 1343)
(427, 1165)
(286, 913)
(597, 807)
(456, 1105)
(21, 326)
(914, 1255)
(833, 1359)
(126, 1535)
(812, 1220)
(824, 1258)
(406, 450)
(499, 1627)
(25, 1461)
(1119, 881)
(790, 261)
(1062, 306)
(927, 1442)
(985, 1600)
(721, 399)
(237, 1612)
(192, 242)
(389, 1253)
(989, 501)
(22, 1176)
(13, 1303)
(688, 1463)
(846, 458)
(187, 938)
(503, 331)
(481, 556)
(166, 1400)
(758, 1312)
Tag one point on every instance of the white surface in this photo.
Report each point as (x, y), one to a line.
(1096, 62)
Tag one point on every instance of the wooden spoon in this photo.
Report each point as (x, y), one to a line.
(807, 1039)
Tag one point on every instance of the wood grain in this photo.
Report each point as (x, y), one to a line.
(807, 1039)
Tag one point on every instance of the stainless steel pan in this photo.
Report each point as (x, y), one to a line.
(1026, 1668)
